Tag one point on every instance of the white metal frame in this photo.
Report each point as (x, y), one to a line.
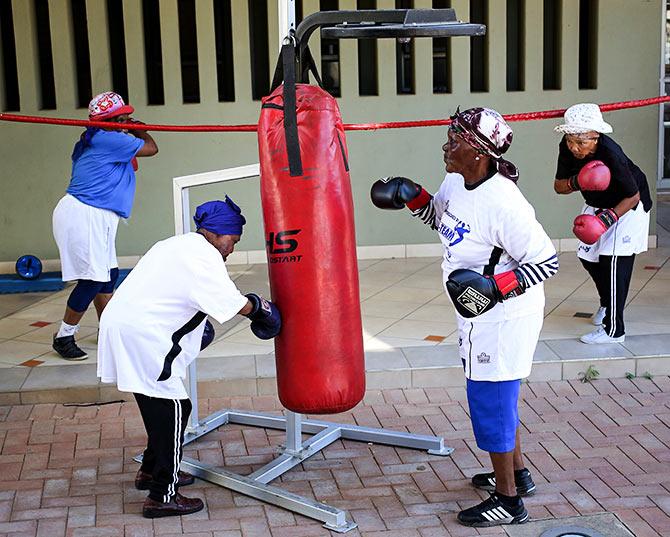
(295, 451)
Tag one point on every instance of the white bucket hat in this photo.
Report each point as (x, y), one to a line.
(581, 118)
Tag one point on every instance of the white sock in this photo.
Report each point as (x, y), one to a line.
(67, 329)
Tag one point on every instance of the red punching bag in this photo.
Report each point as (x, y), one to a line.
(311, 248)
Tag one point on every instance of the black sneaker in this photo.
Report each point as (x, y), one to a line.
(68, 349)
(492, 512)
(522, 479)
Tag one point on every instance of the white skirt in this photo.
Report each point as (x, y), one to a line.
(499, 350)
(86, 239)
(627, 237)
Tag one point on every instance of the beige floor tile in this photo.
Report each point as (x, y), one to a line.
(634, 328)
(46, 333)
(243, 325)
(370, 290)
(52, 358)
(373, 325)
(441, 299)
(411, 329)
(11, 327)
(433, 312)
(222, 367)
(559, 327)
(401, 266)
(410, 295)
(15, 352)
(369, 277)
(570, 306)
(377, 307)
(40, 312)
(648, 314)
(232, 348)
(656, 299)
(388, 343)
(423, 282)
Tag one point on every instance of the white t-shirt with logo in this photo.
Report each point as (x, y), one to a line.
(153, 324)
(493, 227)
(472, 222)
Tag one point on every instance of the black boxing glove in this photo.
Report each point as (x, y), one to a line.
(396, 192)
(473, 294)
(265, 317)
(207, 336)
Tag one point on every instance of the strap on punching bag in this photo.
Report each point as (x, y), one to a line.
(286, 71)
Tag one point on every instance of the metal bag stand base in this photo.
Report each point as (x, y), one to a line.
(295, 452)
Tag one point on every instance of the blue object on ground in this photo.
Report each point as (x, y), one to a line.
(28, 267)
(48, 281)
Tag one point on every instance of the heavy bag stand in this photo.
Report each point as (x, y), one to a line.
(375, 24)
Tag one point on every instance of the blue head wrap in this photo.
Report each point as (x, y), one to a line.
(220, 217)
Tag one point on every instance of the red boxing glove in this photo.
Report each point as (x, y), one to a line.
(589, 228)
(510, 284)
(594, 176)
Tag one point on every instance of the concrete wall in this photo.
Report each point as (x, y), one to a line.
(36, 165)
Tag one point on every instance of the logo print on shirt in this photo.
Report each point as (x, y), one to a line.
(452, 228)
(483, 358)
(460, 229)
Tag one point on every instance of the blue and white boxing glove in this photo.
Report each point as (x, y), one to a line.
(265, 317)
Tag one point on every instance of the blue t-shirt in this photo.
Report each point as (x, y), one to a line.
(103, 175)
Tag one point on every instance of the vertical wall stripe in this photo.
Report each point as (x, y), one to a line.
(241, 52)
(98, 39)
(309, 7)
(26, 54)
(3, 97)
(423, 59)
(170, 53)
(62, 46)
(570, 46)
(348, 58)
(460, 53)
(497, 47)
(135, 60)
(273, 37)
(533, 45)
(204, 21)
(386, 58)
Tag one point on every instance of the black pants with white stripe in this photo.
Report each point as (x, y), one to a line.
(165, 421)
(612, 275)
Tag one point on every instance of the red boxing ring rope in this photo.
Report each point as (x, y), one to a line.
(525, 116)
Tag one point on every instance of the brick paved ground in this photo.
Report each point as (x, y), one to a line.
(592, 448)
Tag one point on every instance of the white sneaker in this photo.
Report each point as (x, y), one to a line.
(599, 336)
(598, 317)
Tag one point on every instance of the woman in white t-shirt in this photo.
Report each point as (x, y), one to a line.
(152, 329)
(496, 256)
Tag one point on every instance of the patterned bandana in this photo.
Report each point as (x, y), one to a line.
(488, 132)
(107, 105)
(220, 217)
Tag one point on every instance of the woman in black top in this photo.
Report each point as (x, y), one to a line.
(614, 223)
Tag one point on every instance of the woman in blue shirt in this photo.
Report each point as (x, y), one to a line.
(101, 191)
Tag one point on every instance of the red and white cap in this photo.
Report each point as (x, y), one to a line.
(107, 105)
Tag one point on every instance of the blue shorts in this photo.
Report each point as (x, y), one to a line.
(494, 412)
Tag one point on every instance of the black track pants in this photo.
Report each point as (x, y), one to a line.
(612, 275)
(165, 421)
